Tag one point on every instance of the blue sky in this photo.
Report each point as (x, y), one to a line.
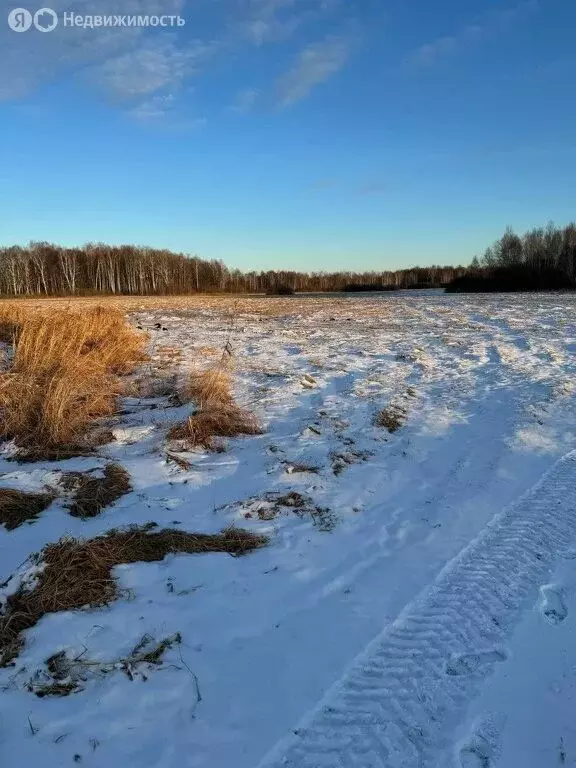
(308, 134)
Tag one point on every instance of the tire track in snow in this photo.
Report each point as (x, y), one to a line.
(400, 700)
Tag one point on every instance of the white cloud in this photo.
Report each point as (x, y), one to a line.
(153, 109)
(161, 110)
(487, 25)
(276, 20)
(157, 63)
(144, 71)
(314, 65)
(140, 67)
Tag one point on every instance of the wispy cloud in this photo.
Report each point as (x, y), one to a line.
(153, 109)
(316, 64)
(275, 20)
(162, 111)
(246, 99)
(483, 28)
(147, 71)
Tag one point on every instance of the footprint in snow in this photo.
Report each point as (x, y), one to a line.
(469, 663)
(483, 747)
(552, 604)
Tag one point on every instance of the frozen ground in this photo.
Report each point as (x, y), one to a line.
(417, 612)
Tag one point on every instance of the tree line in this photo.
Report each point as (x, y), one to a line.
(45, 269)
(544, 258)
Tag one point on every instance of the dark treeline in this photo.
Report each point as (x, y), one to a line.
(542, 259)
(52, 270)
(361, 287)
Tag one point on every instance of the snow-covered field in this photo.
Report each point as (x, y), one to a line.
(416, 610)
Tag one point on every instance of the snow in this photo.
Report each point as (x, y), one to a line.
(486, 388)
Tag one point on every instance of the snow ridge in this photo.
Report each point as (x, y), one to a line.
(401, 699)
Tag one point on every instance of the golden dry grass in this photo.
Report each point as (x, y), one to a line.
(11, 317)
(78, 573)
(276, 306)
(203, 427)
(209, 389)
(64, 375)
(217, 414)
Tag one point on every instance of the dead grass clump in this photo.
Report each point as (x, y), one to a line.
(78, 573)
(203, 427)
(271, 505)
(341, 460)
(217, 414)
(64, 675)
(392, 418)
(180, 461)
(301, 468)
(18, 507)
(93, 494)
(53, 689)
(64, 376)
(209, 389)
(292, 499)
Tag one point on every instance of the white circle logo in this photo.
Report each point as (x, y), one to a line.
(45, 20)
(19, 20)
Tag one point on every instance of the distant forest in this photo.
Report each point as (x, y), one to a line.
(44, 269)
(543, 258)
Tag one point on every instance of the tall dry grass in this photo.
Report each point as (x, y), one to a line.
(210, 388)
(11, 318)
(64, 375)
(217, 413)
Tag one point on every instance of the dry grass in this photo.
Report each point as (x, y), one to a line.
(18, 507)
(65, 374)
(223, 304)
(391, 418)
(208, 351)
(64, 675)
(217, 416)
(271, 505)
(78, 573)
(341, 460)
(180, 462)
(209, 389)
(93, 494)
(203, 428)
(11, 318)
(301, 468)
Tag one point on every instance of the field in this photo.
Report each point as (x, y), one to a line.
(401, 490)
